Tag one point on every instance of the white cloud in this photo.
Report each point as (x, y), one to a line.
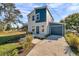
(75, 4)
(64, 16)
(36, 6)
(54, 5)
(73, 8)
(33, 5)
(25, 12)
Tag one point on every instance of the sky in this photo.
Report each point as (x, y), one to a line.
(58, 10)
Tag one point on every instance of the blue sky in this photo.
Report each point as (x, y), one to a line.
(58, 10)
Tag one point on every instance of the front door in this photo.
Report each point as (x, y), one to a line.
(37, 29)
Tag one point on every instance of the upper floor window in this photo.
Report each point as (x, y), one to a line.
(37, 16)
(43, 26)
(33, 18)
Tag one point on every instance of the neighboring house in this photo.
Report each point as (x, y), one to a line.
(41, 23)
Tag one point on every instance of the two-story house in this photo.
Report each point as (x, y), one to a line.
(41, 23)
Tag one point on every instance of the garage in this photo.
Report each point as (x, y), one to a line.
(56, 29)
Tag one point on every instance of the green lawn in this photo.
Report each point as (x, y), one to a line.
(8, 49)
(8, 45)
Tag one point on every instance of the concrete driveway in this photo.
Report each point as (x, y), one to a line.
(49, 47)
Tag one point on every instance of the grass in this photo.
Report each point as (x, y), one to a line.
(10, 43)
(7, 49)
(73, 41)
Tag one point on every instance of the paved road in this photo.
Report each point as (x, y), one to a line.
(49, 47)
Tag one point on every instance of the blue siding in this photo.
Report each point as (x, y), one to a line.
(42, 13)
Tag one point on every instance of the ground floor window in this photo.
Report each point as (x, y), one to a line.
(42, 30)
(33, 30)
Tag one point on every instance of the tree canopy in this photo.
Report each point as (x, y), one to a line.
(71, 21)
(11, 14)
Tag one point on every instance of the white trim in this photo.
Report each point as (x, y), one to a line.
(36, 16)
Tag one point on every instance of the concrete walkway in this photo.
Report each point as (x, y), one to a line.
(48, 47)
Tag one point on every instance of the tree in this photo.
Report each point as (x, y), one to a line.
(1, 25)
(61, 21)
(10, 13)
(72, 21)
(8, 27)
(25, 27)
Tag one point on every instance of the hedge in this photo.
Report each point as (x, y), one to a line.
(10, 39)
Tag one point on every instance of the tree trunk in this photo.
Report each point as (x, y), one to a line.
(5, 27)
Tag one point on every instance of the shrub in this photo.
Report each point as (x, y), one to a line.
(72, 39)
(27, 42)
(10, 39)
(14, 52)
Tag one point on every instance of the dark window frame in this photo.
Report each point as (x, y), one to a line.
(33, 18)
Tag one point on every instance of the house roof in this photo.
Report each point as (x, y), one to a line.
(41, 8)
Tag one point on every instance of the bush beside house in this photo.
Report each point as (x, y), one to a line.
(26, 43)
(73, 41)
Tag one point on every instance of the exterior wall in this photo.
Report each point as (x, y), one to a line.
(49, 20)
(40, 28)
(32, 25)
(44, 20)
(30, 22)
